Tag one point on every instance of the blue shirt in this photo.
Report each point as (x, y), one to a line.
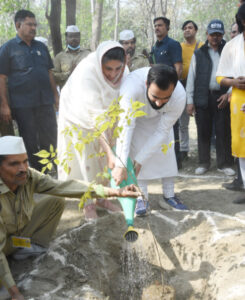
(167, 51)
(27, 68)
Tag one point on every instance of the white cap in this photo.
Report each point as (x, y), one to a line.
(42, 39)
(126, 35)
(72, 28)
(10, 145)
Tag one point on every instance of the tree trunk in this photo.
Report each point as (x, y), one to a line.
(70, 12)
(96, 24)
(117, 20)
(164, 7)
(54, 23)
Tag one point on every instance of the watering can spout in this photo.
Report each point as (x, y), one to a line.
(131, 235)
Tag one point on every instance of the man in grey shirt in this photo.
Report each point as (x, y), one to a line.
(209, 101)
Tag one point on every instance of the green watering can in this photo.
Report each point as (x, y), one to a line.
(128, 204)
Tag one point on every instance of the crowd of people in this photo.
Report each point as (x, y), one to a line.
(174, 81)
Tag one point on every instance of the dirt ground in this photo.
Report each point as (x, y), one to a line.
(195, 254)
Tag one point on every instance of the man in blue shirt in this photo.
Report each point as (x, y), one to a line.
(168, 51)
(26, 76)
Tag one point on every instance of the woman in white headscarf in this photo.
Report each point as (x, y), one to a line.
(88, 93)
(231, 72)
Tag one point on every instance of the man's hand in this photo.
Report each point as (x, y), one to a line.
(129, 191)
(137, 168)
(15, 293)
(239, 83)
(223, 101)
(56, 101)
(119, 174)
(190, 108)
(5, 113)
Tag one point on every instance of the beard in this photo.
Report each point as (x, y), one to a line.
(152, 103)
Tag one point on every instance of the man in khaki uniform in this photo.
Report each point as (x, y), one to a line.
(128, 41)
(66, 61)
(26, 227)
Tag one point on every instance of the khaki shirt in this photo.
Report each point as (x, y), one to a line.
(65, 62)
(137, 62)
(16, 208)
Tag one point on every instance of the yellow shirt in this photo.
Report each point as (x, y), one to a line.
(187, 52)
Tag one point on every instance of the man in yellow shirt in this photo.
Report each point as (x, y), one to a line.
(188, 47)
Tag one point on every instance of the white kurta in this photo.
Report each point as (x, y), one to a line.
(142, 140)
(85, 95)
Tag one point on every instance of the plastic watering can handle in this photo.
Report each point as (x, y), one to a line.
(128, 204)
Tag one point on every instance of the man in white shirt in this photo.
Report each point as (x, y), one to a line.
(144, 138)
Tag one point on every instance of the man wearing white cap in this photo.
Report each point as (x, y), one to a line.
(66, 61)
(128, 41)
(26, 227)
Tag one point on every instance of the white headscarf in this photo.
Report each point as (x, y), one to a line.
(87, 93)
(232, 60)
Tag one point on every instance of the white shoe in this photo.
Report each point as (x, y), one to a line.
(227, 171)
(200, 170)
(34, 250)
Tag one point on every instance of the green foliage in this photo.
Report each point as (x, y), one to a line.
(48, 158)
(8, 6)
(86, 196)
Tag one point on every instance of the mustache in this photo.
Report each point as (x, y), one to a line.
(21, 173)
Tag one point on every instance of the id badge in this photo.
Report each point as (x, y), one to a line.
(21, 242)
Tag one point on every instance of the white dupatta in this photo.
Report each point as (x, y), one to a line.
(232, 60)
(87, 93)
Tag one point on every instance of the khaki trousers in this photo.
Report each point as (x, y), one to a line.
(44, 221)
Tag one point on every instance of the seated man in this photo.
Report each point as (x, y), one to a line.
(26, 227)
(143, 138)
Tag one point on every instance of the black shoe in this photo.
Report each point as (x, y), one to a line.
(235, 185)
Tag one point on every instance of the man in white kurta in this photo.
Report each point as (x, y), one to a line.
(142, 140)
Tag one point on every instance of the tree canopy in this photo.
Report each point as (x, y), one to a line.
(101, 20)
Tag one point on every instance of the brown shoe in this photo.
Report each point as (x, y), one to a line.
(107, 205)
(90, 211)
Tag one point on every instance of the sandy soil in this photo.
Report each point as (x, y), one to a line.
(195, 254)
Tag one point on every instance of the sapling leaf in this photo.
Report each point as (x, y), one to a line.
(43, 154)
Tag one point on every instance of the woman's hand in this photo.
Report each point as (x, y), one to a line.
(119, 174)
(111, 161)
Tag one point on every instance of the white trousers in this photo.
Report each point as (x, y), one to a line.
(167, 187)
